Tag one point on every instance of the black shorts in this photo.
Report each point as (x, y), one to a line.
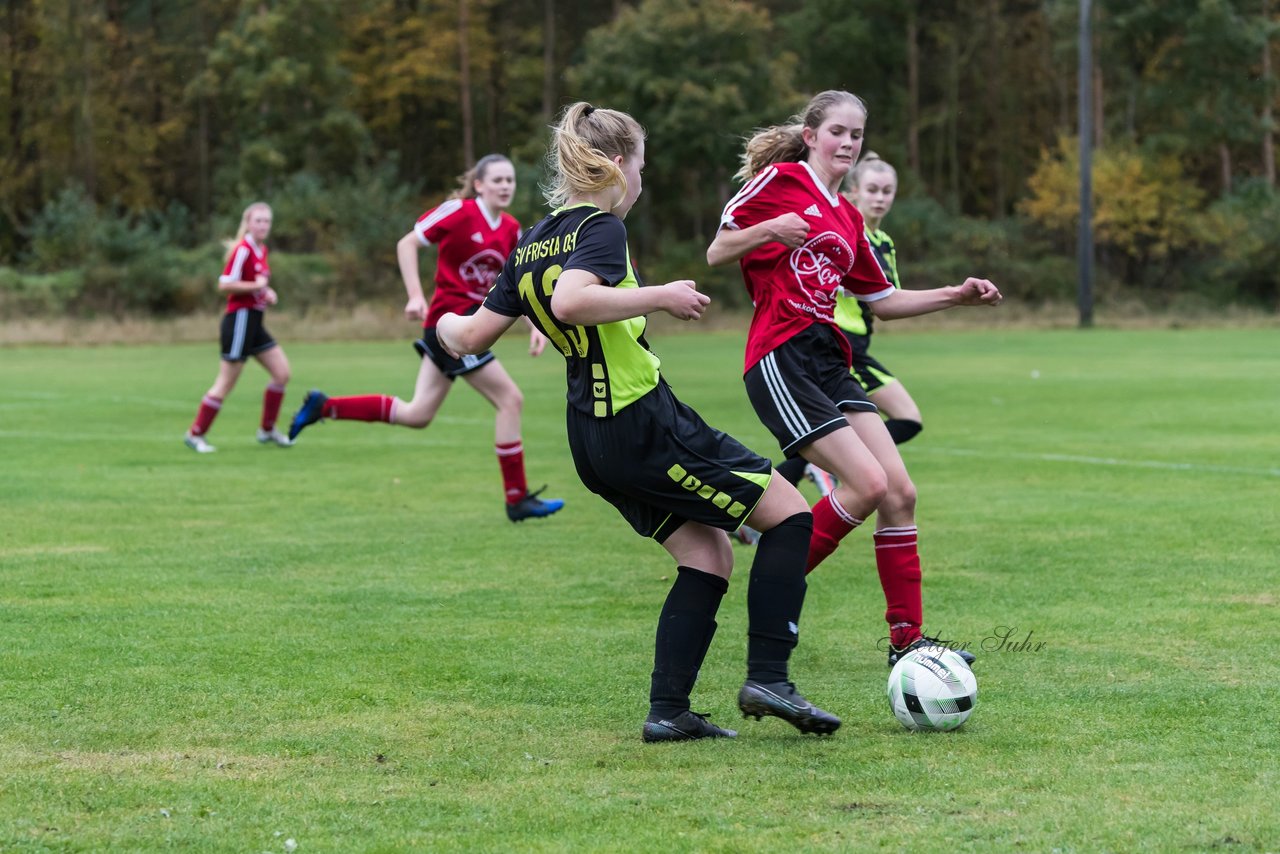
(660, 465)
(243, 335)
(802, 389)
(867, 369)
(428, 347)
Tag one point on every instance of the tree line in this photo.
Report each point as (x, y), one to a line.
(136, 130)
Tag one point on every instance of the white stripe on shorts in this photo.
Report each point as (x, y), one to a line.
(237, 334)
(786, 405)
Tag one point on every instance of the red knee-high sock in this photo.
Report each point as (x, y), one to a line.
(831, 524)
(511, 460)
(209, 408)
(898, 562)
(362, 407)
(271, 400)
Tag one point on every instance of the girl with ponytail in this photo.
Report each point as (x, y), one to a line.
(474, 235)
(671, 476)
(801, 245)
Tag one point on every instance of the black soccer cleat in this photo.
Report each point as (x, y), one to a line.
(924, 641)
(782, 700)
(311, 411)
(533, 507)
(685, 726)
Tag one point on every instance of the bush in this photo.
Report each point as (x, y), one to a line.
(1244, 231)
(123, 261)
(936, 249)
(62, 234)
(39, 293)
(355, 222)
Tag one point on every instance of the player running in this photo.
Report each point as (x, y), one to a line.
(474, 235)
(672, 477)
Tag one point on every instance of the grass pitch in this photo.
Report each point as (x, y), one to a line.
(345, 644)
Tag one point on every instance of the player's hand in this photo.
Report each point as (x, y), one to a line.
(261, 280)
(416, 309)
(790, 229)
(269, 296)
(537, 342)
(683, 300)
(978, 292)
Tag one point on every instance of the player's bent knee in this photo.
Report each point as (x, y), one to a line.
(902, 498)
(407, 417)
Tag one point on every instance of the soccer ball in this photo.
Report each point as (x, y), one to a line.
(932, 689)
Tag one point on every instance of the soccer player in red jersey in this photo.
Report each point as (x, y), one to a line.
(874, 188)
(246, 278)
(800, 244)
(474, 235)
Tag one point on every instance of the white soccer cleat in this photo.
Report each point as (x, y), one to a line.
(274, 435)
(198, 444)
(825, 481)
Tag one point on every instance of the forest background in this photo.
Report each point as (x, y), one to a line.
(135, 131)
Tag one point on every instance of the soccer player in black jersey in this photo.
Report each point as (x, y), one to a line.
(669, 474)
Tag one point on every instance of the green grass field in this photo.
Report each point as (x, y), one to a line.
(346, 644)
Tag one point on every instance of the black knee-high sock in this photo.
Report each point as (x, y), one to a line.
(792, 469)
(685, 628)
(775, 596)
(903, 430)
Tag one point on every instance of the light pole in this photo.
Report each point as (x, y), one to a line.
(1085, 241)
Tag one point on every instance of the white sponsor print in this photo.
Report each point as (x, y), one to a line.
(820, 265)
(480, 271)
(812, 210)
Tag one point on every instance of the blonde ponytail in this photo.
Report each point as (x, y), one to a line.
(580, 158)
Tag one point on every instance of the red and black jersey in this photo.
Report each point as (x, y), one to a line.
(795, 288)
(473, 246)
(248, 261)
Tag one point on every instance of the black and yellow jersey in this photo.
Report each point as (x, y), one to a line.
(610, 365)
(853, 315)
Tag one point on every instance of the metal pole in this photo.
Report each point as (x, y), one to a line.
(1085, 241)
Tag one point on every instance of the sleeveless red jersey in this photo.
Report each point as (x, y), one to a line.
(794, 288)
(248, 261)
(473, 246)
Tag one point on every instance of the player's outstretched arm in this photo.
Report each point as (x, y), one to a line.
(904, 303)
(732, 244)
(474, 333)
(582, 298)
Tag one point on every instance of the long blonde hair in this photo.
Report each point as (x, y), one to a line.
(580, 158)
(786, 141)
(467, 180)
(244, 227)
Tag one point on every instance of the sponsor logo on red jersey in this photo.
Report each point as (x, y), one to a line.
(481, 270)
(820, 265)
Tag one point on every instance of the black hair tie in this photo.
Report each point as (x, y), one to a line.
(588, 111)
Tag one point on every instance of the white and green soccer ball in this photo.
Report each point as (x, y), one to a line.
(932, 689)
